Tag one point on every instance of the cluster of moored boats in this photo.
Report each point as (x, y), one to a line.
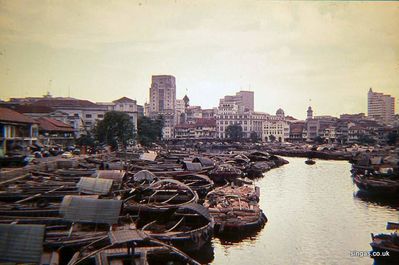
(377, 176)
(148, 208)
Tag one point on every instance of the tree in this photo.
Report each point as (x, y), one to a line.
(392, 138)
(254, 137)
(366, 139)
(85, 140)
(115, 129)
(149, 130)
(234, 132)
(272, 138)
(318, 139)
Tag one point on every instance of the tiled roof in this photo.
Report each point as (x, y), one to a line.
(124, 100)
(59, 103)
(8, 115)
(33, 109)
(206, 122)
(52, 125)
(185, 126)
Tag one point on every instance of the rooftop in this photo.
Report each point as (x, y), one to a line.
(53, 125)
(8, 115)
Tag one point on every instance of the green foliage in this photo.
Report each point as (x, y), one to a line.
(234, 132)
(149, 130)
(254, 137)
(272, 138)
(85, 140)
(392, 138)
(366, 139)
(115, 129)
(318, 139)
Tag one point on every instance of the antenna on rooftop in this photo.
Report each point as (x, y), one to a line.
(49, 85)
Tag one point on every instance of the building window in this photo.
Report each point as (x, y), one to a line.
(88, 115)
(100, 115)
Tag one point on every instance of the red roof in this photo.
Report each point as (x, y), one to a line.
(8, 115)
(52, 125)
(33, 109)
(205, 122)
(185, 126)
(59, 103)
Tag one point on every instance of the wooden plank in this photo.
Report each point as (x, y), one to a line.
(14, 179)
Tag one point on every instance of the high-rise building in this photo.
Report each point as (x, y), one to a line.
(381, 107)
(242, 101)
(162, 94)
(163, 101)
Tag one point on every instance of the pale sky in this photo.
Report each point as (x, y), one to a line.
(286, 52)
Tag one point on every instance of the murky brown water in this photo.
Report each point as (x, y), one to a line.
(314, 218)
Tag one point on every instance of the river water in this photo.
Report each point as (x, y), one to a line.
(314, 217)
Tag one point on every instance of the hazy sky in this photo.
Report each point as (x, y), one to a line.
(287, 52)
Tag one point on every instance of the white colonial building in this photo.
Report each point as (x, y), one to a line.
(276, 128)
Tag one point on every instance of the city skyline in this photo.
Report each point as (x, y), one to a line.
(287, 53)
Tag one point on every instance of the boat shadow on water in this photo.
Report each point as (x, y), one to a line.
(227, 239)
(392, 202)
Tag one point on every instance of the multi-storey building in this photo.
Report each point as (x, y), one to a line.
(276, 128)
(162, 94)
(381, 107)
(163, 101)
(201, 129)
(239, 110)
(82, 115)
(16, 129)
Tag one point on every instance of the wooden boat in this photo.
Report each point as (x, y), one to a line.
(235, 209)
(256, 169)
(159, 196)
(386, 243)
(130, 246)
(310, 161)
(200, 183)
(188, 228)
(377, 186)
(84, 223)
(224, 172)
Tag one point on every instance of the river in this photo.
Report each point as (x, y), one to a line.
(314, 217)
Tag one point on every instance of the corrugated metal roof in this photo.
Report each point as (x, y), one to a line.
(21, 243)
(192, 166)
(148, 156)
(116, 175)
(122, 236)
(94, 185)
(88, 210)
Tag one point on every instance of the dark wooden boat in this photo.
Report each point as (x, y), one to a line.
(130, 246)
(159, 196)
(235, 209)
(310, 161)
(224, 172)
(385, 247)
(188, 228)
(200, 183)
(256, 169)
(377, 186)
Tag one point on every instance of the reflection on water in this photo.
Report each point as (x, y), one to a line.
(377, 200)
(313, 218)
